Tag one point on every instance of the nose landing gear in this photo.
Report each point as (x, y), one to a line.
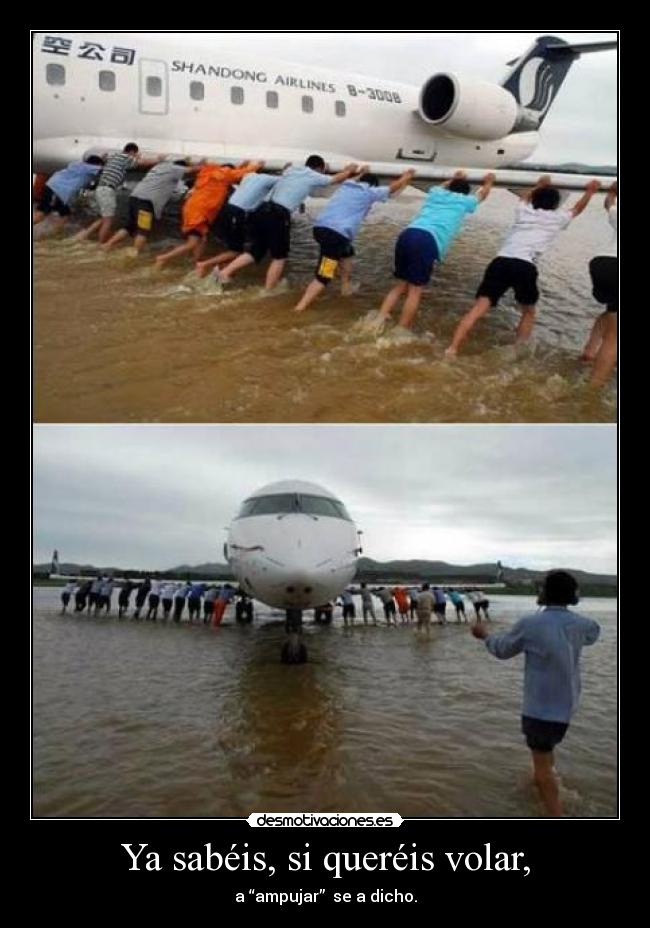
(294, 650)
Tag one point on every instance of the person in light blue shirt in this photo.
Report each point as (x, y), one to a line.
(271, 222)
(552, 641)
(233, 222)
(337, 226)
(459, 605)
(194, 596)
(63, 185)
(426, 241)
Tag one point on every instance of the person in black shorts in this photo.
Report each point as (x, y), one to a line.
(551, 640)
(602, 346)
(141, 596)
(81, 596)
(425, 242)
(124, 597)
(271, 222)
(539, 219)
(338, 224)
(63, 186)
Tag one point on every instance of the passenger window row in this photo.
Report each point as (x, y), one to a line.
(55, 75)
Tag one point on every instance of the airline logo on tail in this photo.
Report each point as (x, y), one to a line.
(536, 85)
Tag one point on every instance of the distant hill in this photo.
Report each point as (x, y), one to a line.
(440, 570)
(367, 569)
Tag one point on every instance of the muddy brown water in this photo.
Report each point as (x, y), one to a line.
(115, 340)
(143, 719)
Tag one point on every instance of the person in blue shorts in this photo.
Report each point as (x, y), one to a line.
(552, 640)
(426, 241)
(338, 224)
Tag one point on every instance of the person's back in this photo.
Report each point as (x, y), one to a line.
(159, 184)
(69, 180)
(424, 602)
(442, 215)
(552, 641)
(115, 170)
(533, 231)
(366, 596)
(295, 185)
(346, 210)
(211, 188)
(252, 191)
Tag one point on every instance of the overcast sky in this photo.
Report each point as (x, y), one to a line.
(581, 125)
(158, 496)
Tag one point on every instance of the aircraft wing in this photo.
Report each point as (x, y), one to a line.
(427, 173)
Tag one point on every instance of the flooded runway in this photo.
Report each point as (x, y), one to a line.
(116, 340)
(144, 719)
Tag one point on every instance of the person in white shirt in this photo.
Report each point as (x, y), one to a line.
(539, 219)
(179, 600)
(154, 600)
(104, 598)
(602, 346)
(167, 597)
(93, 596)
(67, 592)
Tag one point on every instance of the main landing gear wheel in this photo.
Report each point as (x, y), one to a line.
(294, 650)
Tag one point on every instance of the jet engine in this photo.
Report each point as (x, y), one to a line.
(469, 109)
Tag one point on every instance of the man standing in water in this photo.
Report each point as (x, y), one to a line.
(552, 641)
(367, 606)
(424, 604)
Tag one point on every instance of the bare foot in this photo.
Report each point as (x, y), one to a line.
(350, 289)
(201, 268)
(160, 261)
(451, 352)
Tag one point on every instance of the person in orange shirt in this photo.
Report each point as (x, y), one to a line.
(202, 206)
(402, 600)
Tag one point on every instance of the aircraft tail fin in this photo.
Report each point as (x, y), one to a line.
(536, 77)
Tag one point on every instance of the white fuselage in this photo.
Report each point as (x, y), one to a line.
(213, 101)
(293, 559)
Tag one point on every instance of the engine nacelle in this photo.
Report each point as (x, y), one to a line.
(470, 109)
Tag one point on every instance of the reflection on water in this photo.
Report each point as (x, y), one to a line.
(152, 719)
(118, 340)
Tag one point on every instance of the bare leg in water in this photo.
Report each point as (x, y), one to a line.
(546, 781)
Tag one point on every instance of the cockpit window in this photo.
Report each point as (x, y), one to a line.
(323, 506)
(283, 503)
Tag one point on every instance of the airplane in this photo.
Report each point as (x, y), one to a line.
(94, 91)
(293, 546)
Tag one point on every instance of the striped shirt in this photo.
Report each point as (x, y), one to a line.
(115, 169)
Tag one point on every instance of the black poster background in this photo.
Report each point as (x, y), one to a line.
(78, 869)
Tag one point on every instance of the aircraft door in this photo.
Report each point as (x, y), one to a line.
(154, 87)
